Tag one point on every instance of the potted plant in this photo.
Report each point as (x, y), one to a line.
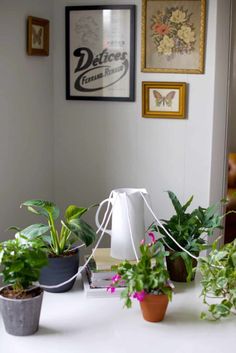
(20, 302)
(219, 281)
(188, 229)
(63, 255)
(147, 281)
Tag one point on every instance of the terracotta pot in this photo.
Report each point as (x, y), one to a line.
(177, 269)
(154, 307)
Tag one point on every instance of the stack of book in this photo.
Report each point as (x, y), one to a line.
(99, 272)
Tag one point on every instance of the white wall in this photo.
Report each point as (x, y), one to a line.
(98, 146)
(103, 145)
(26, 109)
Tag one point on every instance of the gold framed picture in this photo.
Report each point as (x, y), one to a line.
(164, 100)
(173, 36)
(37, 36)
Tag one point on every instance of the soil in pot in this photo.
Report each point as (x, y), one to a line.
(21, 313)
(59, 270)
(154, 307)
(8, 292)
(177, 270)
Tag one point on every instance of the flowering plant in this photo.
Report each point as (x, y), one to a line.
(148, 275)
(173, 31)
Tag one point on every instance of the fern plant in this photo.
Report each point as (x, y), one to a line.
(188, 228)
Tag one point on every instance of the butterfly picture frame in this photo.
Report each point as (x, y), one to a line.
(164, 100)
(37, 36)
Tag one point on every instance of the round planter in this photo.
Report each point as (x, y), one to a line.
(59, 270)
(177, 269)
(21, 316)
(154, 307)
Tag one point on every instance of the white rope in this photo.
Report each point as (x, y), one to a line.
(96, 246)
(130, 229)
(75, 248)
(165, 230)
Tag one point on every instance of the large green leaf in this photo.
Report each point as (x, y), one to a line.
(188, 203)
(35, 230)
(81, 230)
(41, 207)
(74, 212)
(175, 202)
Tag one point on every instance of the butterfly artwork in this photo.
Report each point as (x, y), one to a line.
(37, 36)
(162, 100)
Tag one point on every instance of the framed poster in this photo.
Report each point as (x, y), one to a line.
(164, 100)
(37, 36)
(100, 52)
(173, 36)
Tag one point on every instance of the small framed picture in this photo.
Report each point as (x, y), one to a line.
(164, 100)
(173, 36)
(38, 36)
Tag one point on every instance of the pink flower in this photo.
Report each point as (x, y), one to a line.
(151, 235)
(122, 283)
(139, 295)
(111, 288)
(142, 242)
(161, 28)
(116, 278)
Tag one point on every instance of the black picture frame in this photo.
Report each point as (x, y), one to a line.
(100, 52)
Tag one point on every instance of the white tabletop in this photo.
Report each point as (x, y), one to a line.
(72, 323)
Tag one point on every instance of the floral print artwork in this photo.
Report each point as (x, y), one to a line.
(173, 32)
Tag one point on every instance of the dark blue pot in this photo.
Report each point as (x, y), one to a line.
(58, 270)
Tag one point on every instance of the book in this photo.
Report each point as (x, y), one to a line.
(101, 268)
(94, 292)
(96, 278)
(103, 260)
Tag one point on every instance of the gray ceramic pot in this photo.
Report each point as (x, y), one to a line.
(21, 316)
(58, 270)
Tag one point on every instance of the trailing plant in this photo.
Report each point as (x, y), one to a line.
(73, 227)
(219, 281)
(148, 275)
(187, 228)
(21, 262)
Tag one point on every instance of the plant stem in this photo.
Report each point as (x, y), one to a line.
(54, 234)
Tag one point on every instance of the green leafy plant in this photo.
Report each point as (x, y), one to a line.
(21, 262)
(219, 281)
(73, 227)
(148, 275)
(187, 228)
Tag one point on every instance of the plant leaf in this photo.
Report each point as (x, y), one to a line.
(41, 207)
(175, 202)
(34, 231)
(74, 212)
(81, 230)
(188, 203)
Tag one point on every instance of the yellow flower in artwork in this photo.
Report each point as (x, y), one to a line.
(166, 45)
(186, 34)
(178, 16)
